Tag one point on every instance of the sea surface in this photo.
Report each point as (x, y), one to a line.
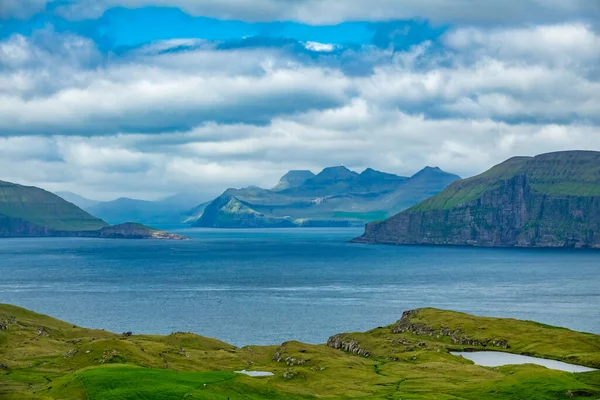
(270, 286)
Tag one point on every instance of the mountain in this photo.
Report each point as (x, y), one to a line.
(551, 200)
(31, 209)
(27, 211)
(336, 197)
(293, 179)
(78, 200)
(171, 210)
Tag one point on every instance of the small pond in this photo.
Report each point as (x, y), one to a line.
(497, 359)
(254, 373)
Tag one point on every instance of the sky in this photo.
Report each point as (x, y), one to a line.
(147, 98)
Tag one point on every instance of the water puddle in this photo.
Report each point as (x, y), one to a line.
(497, 359)
(254, 373)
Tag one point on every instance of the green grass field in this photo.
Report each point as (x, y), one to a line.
(43, 358)
(556, 174)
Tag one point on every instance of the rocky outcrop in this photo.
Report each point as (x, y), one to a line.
(339, 342)
(5, 321)
(406, 325)
(523, 210)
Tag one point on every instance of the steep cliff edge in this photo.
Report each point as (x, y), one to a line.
(552, 200)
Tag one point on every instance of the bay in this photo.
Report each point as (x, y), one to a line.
(270, 286)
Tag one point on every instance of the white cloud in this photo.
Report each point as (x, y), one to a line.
(335, 11)
(151, 122)
(320, 47)
(21, 8)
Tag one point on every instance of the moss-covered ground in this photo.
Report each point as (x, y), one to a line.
(43, 358)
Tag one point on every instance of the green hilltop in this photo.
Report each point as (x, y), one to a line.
(551, 200)
(568, 173)
(44, 209)
(44, 358)
(33, 212)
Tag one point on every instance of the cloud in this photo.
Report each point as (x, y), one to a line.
(21, 8)
(179, 114)
(336, 11)
(50, 91)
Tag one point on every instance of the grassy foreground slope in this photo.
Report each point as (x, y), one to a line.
(43, 358)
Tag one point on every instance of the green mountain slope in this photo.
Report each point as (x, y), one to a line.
(44, 209)
(551, 200)
(335, 197)
(44, 358)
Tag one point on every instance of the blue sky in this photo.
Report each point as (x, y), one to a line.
(144, 98)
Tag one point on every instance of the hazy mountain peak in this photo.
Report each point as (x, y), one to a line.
(293, 178)
(371, 173)
(78, 200)
(339, 172)
(432, 171)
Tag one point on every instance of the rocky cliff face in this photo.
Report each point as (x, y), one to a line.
(16, 227)
(510, 213)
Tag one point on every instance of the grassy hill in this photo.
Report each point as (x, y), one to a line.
(44, 358)
(569, 173)
(44, 209)
(551, 200)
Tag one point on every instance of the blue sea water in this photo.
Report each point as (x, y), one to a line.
(269, 286)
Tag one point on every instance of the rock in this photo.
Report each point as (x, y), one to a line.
(579, 393)
(70, 353)
(42, 332)
(405, 325)
(183, 353)
(289, 374)
(3, 367)
(7, 321)
(338, 342)
(127, 334)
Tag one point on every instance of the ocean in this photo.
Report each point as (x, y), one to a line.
(270, 286)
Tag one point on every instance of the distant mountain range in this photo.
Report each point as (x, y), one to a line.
(169, 211)
(336, 197)
(552, 200)
(27, 211)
